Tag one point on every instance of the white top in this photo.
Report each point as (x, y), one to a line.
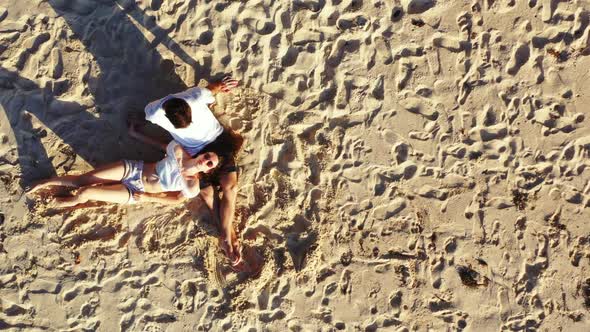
(168, 172)
(204, 127)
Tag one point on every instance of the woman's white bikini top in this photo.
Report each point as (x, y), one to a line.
(168, 173)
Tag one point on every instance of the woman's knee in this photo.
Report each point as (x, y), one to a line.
(79, 181)
(208, 195)
(82, 180)
(83, 194)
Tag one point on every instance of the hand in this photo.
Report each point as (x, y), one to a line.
(179, 153)
(187, 176)
(225, 85)
(228, 83)
(180, 161)
(138, 196)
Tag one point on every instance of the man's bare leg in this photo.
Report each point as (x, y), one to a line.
(136, 131)
(208, 196)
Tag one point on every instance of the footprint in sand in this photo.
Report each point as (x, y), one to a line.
(520, 56)
(417, 6)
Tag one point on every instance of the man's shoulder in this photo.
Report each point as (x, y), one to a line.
(199, 95)
(190, 94)
(154, 113)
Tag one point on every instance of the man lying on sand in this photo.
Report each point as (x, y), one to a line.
(169, 181)
(187, 117)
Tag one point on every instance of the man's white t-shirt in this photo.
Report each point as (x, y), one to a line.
(204, 127)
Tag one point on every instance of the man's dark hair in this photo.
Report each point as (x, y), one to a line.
(178, 112)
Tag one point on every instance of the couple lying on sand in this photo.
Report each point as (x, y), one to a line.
(200, 160)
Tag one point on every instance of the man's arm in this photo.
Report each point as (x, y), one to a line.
(137, 134)
(227, 208)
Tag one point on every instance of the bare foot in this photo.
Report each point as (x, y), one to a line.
(233, 255)
(230, 245)
(36, 187)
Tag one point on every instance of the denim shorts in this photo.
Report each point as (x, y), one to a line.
(132, 178)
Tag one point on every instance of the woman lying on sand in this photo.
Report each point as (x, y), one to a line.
(167, 181)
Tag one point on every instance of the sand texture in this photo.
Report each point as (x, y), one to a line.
(410, 165)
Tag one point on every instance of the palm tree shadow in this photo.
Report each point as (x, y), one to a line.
(131, 74)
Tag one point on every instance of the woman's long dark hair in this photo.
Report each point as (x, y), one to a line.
(227, 146)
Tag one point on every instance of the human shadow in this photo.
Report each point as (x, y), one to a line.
(131, 74)
(24, 103)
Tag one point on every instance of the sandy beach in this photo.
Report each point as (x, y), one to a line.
(409, 165)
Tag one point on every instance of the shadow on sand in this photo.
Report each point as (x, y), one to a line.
(131, 74)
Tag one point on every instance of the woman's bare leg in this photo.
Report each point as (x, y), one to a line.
(106, 174)
(116, 193)
(211, 198)
(208, 196)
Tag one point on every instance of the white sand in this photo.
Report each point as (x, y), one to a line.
(391, 146)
